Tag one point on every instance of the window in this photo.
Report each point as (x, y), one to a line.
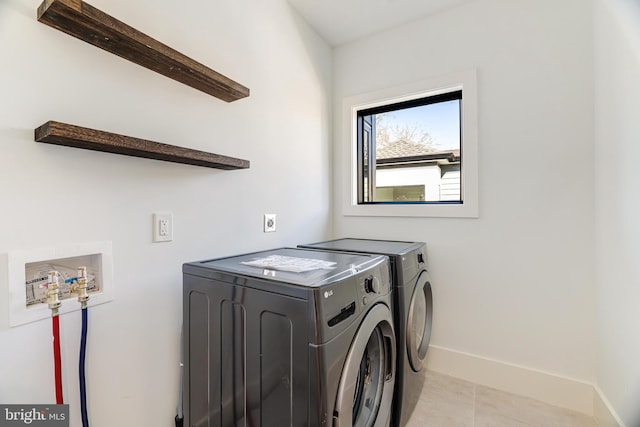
(413, 150)
(409, 152)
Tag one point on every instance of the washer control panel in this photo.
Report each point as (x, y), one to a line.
(341, 302)
(372, 285)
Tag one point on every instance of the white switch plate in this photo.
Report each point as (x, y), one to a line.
(162, 227)
(269, 223)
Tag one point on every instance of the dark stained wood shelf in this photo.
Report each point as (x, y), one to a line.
(79, 137)
(93, 26)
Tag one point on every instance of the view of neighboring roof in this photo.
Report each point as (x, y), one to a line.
(402, 148)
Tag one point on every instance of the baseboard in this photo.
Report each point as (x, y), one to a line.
(603, 411)
(549, 388)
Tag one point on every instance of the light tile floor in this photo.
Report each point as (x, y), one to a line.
(451, 402)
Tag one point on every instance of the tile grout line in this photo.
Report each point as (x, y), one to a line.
(473, 418)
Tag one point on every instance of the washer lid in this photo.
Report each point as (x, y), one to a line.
(383, 247)
(310, 268)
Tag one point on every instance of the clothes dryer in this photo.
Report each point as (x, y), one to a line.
(288, 337)
(413, 311)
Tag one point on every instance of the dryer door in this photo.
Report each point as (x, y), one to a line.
(419, 322)
(366, 385)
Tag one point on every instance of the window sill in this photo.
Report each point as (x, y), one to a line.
(435, 210)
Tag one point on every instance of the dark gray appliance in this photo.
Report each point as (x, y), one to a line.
(412, 309)
(265, 347)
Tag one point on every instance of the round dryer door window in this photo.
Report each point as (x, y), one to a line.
(366, 386)
(419, 322)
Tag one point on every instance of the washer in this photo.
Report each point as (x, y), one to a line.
(412, 309)
(268, 347)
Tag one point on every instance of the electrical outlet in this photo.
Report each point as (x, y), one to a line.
(269, 223)
(162, 227)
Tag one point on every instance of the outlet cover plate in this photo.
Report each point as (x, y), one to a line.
(269, 223)
(162, 227)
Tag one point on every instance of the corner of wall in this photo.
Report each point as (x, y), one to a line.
(603, 411)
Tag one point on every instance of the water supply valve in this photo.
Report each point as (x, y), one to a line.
(53, 293)
(81, 287)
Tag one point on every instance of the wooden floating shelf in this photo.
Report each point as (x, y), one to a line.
(90, 139)
(93, 26)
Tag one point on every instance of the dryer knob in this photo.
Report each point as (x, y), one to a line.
(371, 285)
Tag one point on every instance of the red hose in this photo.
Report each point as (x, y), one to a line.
(57, 359)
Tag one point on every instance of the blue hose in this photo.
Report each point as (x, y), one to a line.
(83, 387)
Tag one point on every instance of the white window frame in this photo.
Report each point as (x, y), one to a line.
(465, 81)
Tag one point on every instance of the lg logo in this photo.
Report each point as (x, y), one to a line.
(328, 293)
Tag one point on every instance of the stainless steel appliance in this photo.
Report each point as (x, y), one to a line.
(412, 309)
(288, 337)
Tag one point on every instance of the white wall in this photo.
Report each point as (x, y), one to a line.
(516, 284)
(617, 101)
(282, 128)
(426, 176)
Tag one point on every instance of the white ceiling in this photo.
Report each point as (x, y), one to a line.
(343, 21)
